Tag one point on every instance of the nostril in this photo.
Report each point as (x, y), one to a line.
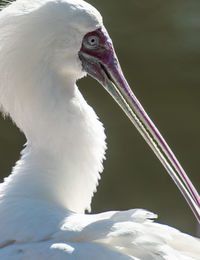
(105, 71)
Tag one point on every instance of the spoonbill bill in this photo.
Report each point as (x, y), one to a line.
(45, 47)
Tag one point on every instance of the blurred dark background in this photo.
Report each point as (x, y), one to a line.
(158, 45)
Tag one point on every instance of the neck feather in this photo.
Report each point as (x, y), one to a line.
(65, 147)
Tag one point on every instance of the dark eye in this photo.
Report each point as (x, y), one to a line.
(93, 41)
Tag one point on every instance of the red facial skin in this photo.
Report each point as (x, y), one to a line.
(103, 53)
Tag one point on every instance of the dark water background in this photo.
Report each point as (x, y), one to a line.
(158, 45)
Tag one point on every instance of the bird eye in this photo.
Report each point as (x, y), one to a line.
(93, 41)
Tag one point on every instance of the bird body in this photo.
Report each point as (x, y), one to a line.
(42, 202)
(110, 235)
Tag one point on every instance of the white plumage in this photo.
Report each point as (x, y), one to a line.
(42, 202)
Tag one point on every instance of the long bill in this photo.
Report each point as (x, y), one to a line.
(117, 86)
(100, 61)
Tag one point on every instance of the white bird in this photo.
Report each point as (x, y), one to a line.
(45, 47)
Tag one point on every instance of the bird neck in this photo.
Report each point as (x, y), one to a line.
(65, 147)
